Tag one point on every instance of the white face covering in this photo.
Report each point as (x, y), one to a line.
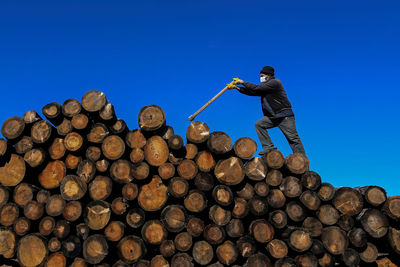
(263, 79)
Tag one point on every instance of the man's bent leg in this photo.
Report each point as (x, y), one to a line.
(261, 128)
(288, 127)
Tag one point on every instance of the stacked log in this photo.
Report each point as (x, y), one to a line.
(79, 188)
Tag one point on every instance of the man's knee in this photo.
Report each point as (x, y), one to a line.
(263, 124)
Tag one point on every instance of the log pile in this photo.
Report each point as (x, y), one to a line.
(78, 188)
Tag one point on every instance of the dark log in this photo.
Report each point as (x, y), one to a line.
(310, 200)
(102, 165)
(5, 151)
(328, 215)
(97, 214)
(313, 226)
(72, 246)
(95, 248)
(175, 142)
(295, 211)
(346, 222)
(245, 148)
(154, 232)
(334, 239)
(274, 159)
(93, 101)
(357, 237)
(285, 262)
(167, 248)
(31, 250)
(156, 151)
(158, 261)
(261, 189)
(311, 180)
(258, 259)
(174, 218)
(306, 260)
(375, 223)
(140, 171)
(370, 254)
(167, 132)
(202, 252)
(258, 206)
(394, 239)
(219, 215)
(151, 118)
(107, 114)
(72, 211)
(195, 226)
(317, 248)
(274, 178)
(93, 153)
(327, 260)
(166, 170)
(54, 244)
(326, 192)
(276, 199)
(182, 259)
(214, 234)
(350, 257)
(13, 128)
(30, 117)
(64, 128)
(82, 230)
(392, 207)
(291, 187)
(204, 181)
(256, 169)
(183, 241)
(23, 145)
(197, 132)
(62, 229)
(374, 195)
(246, 246)
(135, 218)
(71, 107)
(219, 142)
(119, 128)
(223, 195)
(86, 170)
(4, 195)
(240, 209)
(247, 192)
(278, 218)
(178, 187)
(262, 231)
(348, 201)
(235, 228)
(130, 191)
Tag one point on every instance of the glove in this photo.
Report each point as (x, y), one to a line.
(237, 81)
(231, 86)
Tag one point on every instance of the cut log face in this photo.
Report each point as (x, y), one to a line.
(41, 132)
(256, 169)
(52, 174)
(274, 159)
(95, 249)
(311, 180)
(229, 171)
(135, 139)
(334, 240)
(300, 241)
(205, 161)
(348, 201)
(97, 214)
(156, 151)
(13, 172)
(32, 250)
(131, 249)
(93, 101)
(113, 147)
(203, 252)
(197, 132)
(297, 163)
(245, 148)
(392, 207)
(219, 142)
(153, 196)
(394, 239)
(12, 128)
(151, 118)
(375, 223)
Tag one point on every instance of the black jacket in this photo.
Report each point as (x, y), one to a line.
(274, 101)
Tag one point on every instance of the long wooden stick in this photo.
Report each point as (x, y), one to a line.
(191, 117)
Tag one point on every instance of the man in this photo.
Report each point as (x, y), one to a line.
(276, 108)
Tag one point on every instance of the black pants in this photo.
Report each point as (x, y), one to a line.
(288, 128)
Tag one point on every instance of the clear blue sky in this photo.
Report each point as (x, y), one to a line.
(338, 61)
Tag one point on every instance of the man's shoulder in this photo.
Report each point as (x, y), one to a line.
(274, 82)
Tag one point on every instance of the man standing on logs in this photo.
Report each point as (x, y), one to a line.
(276, 108)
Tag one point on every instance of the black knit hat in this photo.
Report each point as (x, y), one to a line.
(268, 70)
